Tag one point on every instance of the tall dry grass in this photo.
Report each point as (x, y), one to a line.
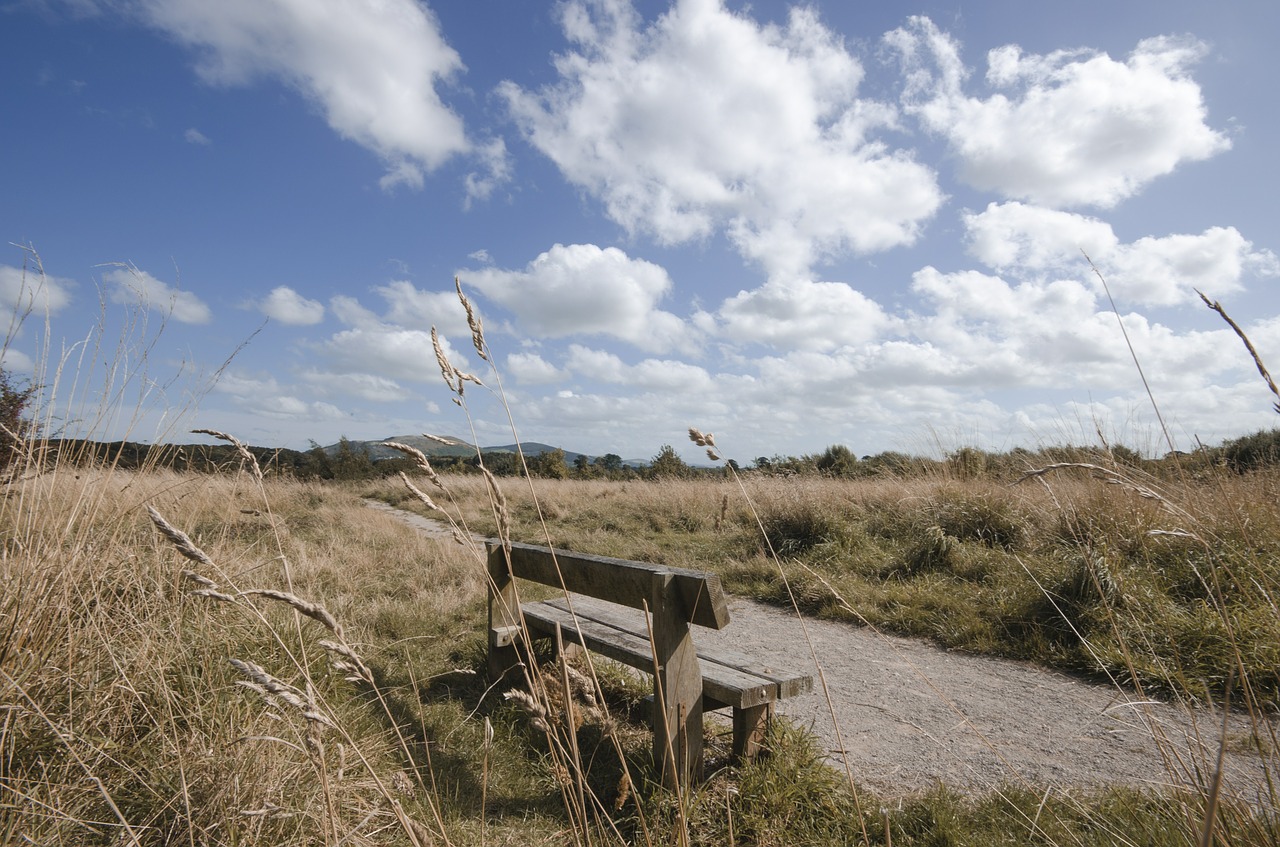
(261, 660)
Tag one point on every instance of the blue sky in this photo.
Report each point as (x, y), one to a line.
(793, 226)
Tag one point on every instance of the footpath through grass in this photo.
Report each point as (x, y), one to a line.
(354, 711)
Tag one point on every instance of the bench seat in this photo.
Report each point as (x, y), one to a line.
(729, 679)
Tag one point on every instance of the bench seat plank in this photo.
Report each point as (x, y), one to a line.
(624, 639)
(789, 684)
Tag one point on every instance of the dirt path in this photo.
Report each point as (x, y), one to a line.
(910, 714)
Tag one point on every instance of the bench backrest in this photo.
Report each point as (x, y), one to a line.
(618, 581)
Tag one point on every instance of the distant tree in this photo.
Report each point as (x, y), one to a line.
(584, 468)
(837, 460)
(14, 398)
(318, 463)
(499, 464)
(968, 463)
(1252, 452)
(668, 464)
(352, 462)
(549, 464)
(609, 462)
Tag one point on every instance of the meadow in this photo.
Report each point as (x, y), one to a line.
(268, 660)
(247, 657)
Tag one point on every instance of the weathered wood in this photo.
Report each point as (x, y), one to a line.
(687, 681)
(504, 619)
(677, 688)
(699, 596)
(749, 727)
(625, 639)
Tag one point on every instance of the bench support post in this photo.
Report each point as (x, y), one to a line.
(749, 726)
(504, 617)
(677, 689)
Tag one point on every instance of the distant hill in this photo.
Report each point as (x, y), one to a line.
(449, 446)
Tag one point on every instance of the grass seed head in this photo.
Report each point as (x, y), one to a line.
(181, 541)
(240, 448)
(312, 610)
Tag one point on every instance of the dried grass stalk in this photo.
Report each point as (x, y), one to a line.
(240, 448)
(312, 610)
(473, 321)
(419, 459)
(347, 661)
(529, 705)
(1248, 345)
(181, 541)
(419, 493)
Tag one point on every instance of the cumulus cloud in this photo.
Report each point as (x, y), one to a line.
(1071, 128)
(582, 289)
(660, 376)
(264, 395)
(289, 307)
(378, 389)
(410, 306)
(495, 170)
(377, 345)
(23, 291)
(370, 66)
(532, 369)
(1152, 271)
(801, 314)
(706, 121)
(134, 286)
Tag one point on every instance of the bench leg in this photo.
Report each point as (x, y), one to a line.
(749, 725)
(677, 688)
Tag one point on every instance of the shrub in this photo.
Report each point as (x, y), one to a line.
(14, 398)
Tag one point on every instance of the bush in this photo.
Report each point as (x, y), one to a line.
(14, 398)
(1252, 452)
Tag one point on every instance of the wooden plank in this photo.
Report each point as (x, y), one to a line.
(504, 622)
(788, 684)
(677, 688)
(701, 597)
(749, 728)
(721, 683)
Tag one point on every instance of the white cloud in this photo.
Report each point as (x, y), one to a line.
(23, 291)
(707, 121)
(801, 314)
(365, 386)
(662, 376)
(1069, 128)
(532, 369)
(1152, 271)
(1164, 271)
(15, 361)
(131, 285)
(412, 307)
(289, 307)
(371, 66)
(581, 289)
(495, 170)
(385, 349)
(195, 136)
(1014, 235)
(391, 351)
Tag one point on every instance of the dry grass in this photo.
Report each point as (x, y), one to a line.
(262, 661)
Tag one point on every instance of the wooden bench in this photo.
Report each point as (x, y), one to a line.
(687, 680)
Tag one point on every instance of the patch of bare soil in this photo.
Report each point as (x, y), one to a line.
(903, 714)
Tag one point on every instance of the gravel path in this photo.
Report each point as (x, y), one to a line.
(911, 714)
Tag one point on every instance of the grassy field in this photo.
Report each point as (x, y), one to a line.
(1169, 586)
(271, 662)
(238, 659)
